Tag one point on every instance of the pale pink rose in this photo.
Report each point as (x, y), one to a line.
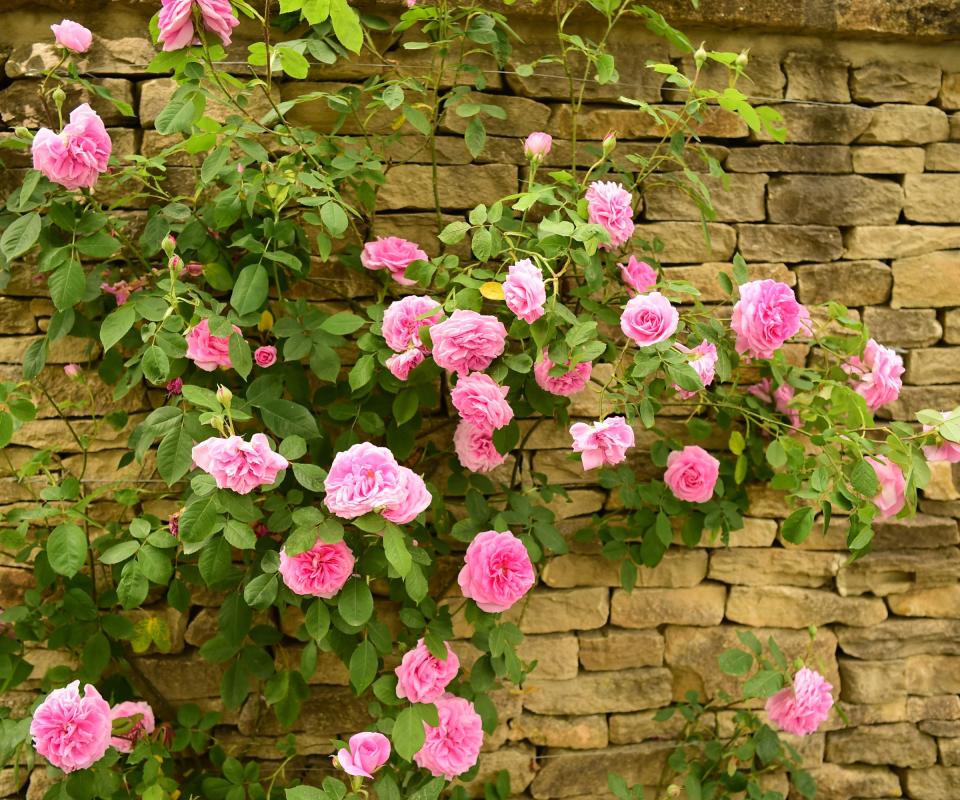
(876, 375)
(402, 364)
(206, 350)
(71, 370)
(496, 571)
(452, 747)
(704, 363)
(467, 341)
(609, 205)
(765, 316)
(365, 753)
(802, 708)
(218, 18)
(944, 451)
(404, 319)
(638, 275)
(649, 319)
(321, 571)
(422, 677)
(239, 465)
(481, 402)
(77, 155)
(412, 498)
(72, 36)
(410, 3)
(691, 474)
(124, 742)
(265, 356)
(537, 145)
(524, 292)
(394, 254)
(890, 499)
(603, 443)
(362, 479)
(70, 731)
(176, 22)
(569, 383)
(475, 449)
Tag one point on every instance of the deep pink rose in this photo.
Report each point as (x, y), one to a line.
(362, 479)
(890, 499)
(144, 726)
(704, 362)
(609, 205)
(422, 677)
(691, 474)
(72, 36)
(77, 155)
(802, 708)
(365, 753)
(70, 731)
(496, 571)
(638, 275)
(402, 364)
(475, 449)
(412, 498)
(537, 145)
(765, 316)
(649, 319)
(403, 320)
(176, 21)
(452, 747)
(481, 402)
(603, 443)
(467, 341)
(877, 375)
(239, 465)
(569, 383)
(394, 254)
(175, 387)
(945, 451)
(206, 350)
(319, 572)
(265, 356)
(524, 292)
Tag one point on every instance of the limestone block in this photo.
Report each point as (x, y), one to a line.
(613, 649)
(595, 122)
(599, 692)
(522, 115)
(903, 327)
(853, 283)
(572, 773)
(121, 56)
(928, 281)
(940, 601)
(685, 244)
(821, 159)
(789, 243)
(933, 365)
(460, 187)
(937, 674)
(817, 75)
(943, 706)
(898, 638)
(872, 681)
(20, 103)
(892, 571)
(549, 611)
(822, 124)
(951, 327)
(935, 783)
(648, 608)
(574, 733)
(895, 82)
(943, 157)
(556, 655)
(519, 761)
(793, 607)
(736, 198)
(949, 96)
(678, 568)
(915, 398)
(892, 123)
(772, 567)
(833, 200)
(878, 241)
(836, 782)
(899, 744)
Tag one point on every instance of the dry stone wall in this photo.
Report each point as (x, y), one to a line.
(861, 206)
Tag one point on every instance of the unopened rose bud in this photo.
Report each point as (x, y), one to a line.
(175, 263)
(700, 56)
(240, 169)
(224, 395)
(168, 244)
(193, 269)
(609, 142)
(22, 133)
(742, 59)
(59, 96)
(537, 145)
(72, 370)
(673, 790)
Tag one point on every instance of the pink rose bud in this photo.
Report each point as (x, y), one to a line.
(321, 571)
(891, 498)
(802, 708)
(496, 571)
(77, 155)
(691, 474)
(451, 748)
(260, 530)
(703, 359)
(402, 364)
(365, 754)
(175, 387)
(392, 254)
(410, 3)
(175, 263)
(72, 36)
(538, 145)
(240, 169)
(609, 142)
(224, 395)
(239, 465)
(71, 370)
(193, 268)
(168, 244)
(70, 731)
(265, 356)
(638, 275)
(604, 443)
(173, 524)
(610, 206)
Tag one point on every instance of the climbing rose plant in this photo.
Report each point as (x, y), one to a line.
(328, 462)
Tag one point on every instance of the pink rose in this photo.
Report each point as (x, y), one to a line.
(691, 474)
(704, 362)
(537, 145)
(72, 36)
(649, 319)
(362, 479)
(877, 374)
(467, 341)
(524, 292)
(780, 397)
(412, 498)
(422, 677)
(569, 383)
(71, 370)
(765, 316)
(144, 726)
(638, 275)
(602, 443)
(77, 155)
(610, 206)
(239, 465)
(481, 402)
(265, 356)
(404, 319)
(176, 21)
(402, 364)
(496, 571)
(452, 747)
(319, 572)
(475, 449)
(70, 731)
(394, 254)
(944, 451)
(890, 499)
(365, 753)
(802, 708)
(206, 350)
(121, 290)
(175, 387)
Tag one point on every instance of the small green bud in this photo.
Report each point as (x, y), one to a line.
(700, 56)
(59, 96)
(168, 244)
(22, 133)
(742, 59)
(225, 396)
(609, 142)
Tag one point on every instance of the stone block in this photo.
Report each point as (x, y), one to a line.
(905, 124)
(899, 744)
(940, 601)
(822, 124)
(789, 243)
(574, 733)
(931, 281)
(519, 761)
(836, 782)
(949, 96)
(872, 681)
(943, 706)
(949, 752)
(550, 611)
(915, 398)
(821, 159)
(918, 531)
(595, 122)
(556, 656)
(882, 160)
(773, 566)
(893, 571)
(641, 726)
(460, 187)
(833, 200)
(121, 56)
(942, 157)
(678, 568)
(817, 75)
(927, 198)
(793, 607)
(899, 241)
(935, 783)
(734, 198)
(599, 692)
(648, 608)
(764, 77)
(933, 365)
(951, 327)
(705, 277)
(613, 649)
(933, 674)
(899, 638)
(853, 283)
(900, 81)
(583, 773)
(903, 328)
(684, 242)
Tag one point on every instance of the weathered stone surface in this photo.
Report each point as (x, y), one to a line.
(931, 281)
(789, 243)
(835, 782)
(793, 607)
(738, 198)
(556, 656)
(951, 327)
(939, 601)
(823, 124)
(599, 692)
(895, 82)
(121, 56)
(927, 198)
(705, 277)
(641, 726)
(790, 158)
(519, 762)
(574, 733)
(584, 773)
(647, 608)
(853, 283)
(937, 674)
(685, 244)
(595, 122)
(879, 241)
(882, 160)
(949, 96)
(899, 744)
(615, 649)
(942, 157)
(410, 186)
(949, 751)
(902, 124)
(678, 568)
(833, 200)
(872, 681)
(944, 706)
(903, 327)
(817, 75)
(898, 638)
(549, 611)
(935, 783)
(883, 573)
(933, 365)
(914, 398)
(772, 566)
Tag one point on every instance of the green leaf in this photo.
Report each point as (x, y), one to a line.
(286, 418)
(396, 550)
(133, 586)
(292, 63)
(346, 25)
(764, 684)
(405, 406)
(20, 235)
(798, 525)
(119, 552)
(34, 359)
(250, 290)
(363, 666)
(261, 591)
(776, 455)
(175, 454)
(355, 602)
(240, 354)
(198, 519)
(864, 479)
(362, 372)
(317, 619)
(67, 549)
(408, 734)
(67, 284)
(475, 136)
(735, 662)
(334, 218)
(342, 323)
(116, 324)
(155, 365)
(309, 476)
